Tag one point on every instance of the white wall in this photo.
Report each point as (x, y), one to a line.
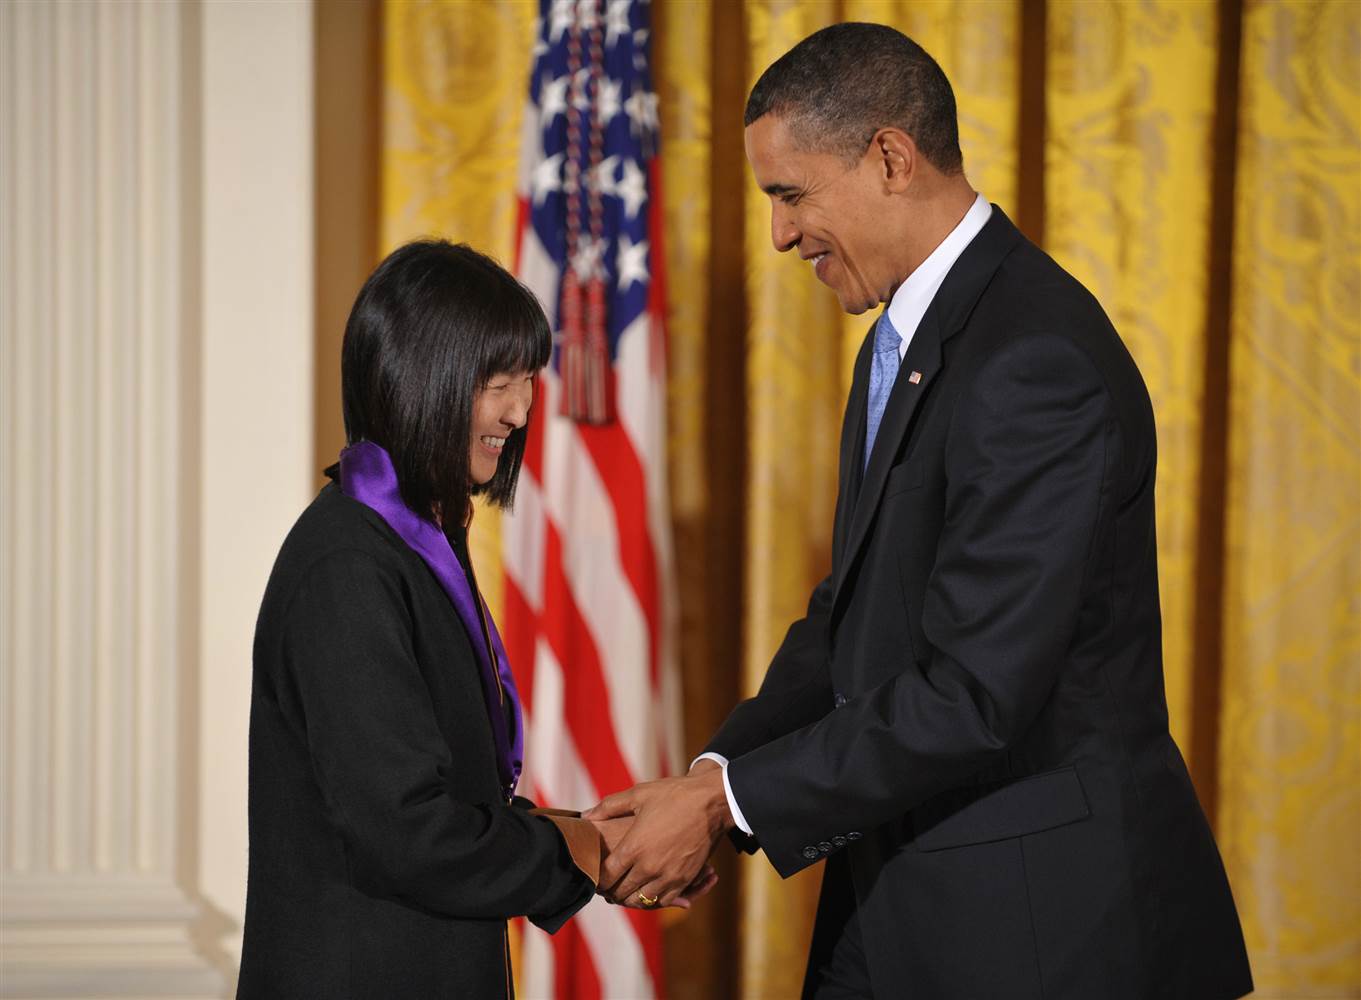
(255, 464)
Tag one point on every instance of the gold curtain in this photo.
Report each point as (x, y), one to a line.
(1196, 163)
(1290, 730)
(1130, 111)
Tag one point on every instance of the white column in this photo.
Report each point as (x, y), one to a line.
(97, 331)
(255, 464)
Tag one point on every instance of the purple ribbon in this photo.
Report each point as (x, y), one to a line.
(367, 475)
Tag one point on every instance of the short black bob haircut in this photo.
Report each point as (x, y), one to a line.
(841, 85)
(430, 327)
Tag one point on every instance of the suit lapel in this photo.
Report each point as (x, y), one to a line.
(946, 316)
(923, 359)
(852, 446)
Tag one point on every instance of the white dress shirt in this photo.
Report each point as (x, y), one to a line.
(905, 312)
(910, 301)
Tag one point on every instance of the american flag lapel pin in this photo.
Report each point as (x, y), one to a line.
(915, 378)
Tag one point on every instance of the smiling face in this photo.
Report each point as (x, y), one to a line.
(499, 407)
(833, 213)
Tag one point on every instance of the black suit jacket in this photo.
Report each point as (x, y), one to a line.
(973, 707)
(383, 862)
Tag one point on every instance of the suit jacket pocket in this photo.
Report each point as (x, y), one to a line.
(998, 812)
(903, 477)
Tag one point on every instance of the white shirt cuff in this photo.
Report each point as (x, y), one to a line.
(733, 807)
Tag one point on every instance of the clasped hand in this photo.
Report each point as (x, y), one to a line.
(659, 836)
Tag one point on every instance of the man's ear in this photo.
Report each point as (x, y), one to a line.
(898, 158)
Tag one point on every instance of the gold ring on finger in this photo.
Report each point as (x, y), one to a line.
(648, 901)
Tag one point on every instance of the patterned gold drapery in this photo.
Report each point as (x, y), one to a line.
(1256, 381)
(1130, 105)
(1290, 730)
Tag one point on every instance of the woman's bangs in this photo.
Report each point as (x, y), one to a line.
(518, 342)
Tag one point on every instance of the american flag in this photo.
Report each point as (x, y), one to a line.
(589, 603)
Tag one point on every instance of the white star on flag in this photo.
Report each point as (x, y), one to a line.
(553, 99)
(631, 262)
(586, 14)
(589, 260)
(642, 108)
(603, 176)
(639, 42)
(609, 104)
(561, 18)
(547, 177)
(616, 21)
(632, 188)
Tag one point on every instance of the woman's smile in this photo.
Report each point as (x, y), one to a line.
(499, 408)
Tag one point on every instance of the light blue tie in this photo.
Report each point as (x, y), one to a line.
(883, 370)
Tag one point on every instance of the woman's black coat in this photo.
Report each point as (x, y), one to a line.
(383, 862)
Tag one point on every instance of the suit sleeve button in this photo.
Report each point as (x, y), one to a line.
(824, 847)
(838, 841)
(853, 835)
(839, 700)
(811, 853)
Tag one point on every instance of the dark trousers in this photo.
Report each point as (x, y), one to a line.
(836, 961)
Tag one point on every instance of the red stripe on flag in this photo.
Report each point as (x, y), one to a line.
(573, 971)
(519, 635)
(648, 928)
(521, 225)
(586, 699)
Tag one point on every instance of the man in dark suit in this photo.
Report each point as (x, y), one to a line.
(969, 724)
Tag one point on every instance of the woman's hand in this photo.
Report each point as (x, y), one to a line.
(704, 881)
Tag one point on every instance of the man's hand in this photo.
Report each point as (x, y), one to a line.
(611, 831)
(676, 823)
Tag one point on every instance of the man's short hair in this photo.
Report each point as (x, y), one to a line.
(840, 85)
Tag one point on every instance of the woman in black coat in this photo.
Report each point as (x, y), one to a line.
(387, 848)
